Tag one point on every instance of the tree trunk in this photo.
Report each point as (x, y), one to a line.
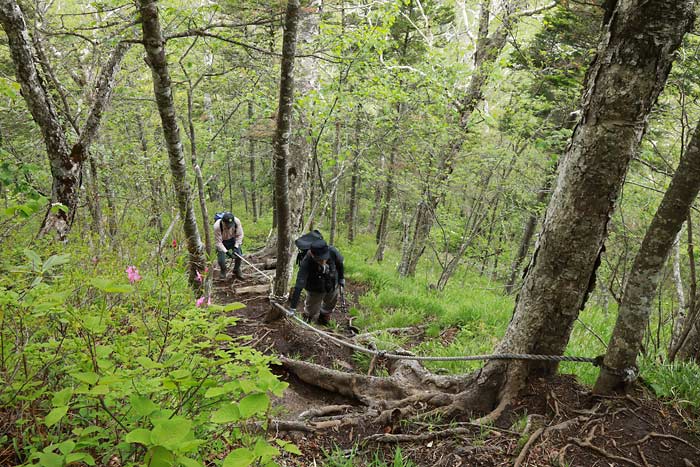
(622, 85)
(155, 57)
(679, 316)
(383, 229)
(94, 199)
(354, 185)
(643, 281)
(66, 164)
(198, 175)
(283, 131)
(334, 193)
(253, 175)
(526, 239)
(156, 217)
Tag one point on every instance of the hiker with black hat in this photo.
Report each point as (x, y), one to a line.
(228, 236)
(321, 273)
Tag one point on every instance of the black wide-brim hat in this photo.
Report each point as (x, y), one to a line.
(320, 249)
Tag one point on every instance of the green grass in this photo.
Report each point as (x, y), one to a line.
(340, 458)
(480, 313)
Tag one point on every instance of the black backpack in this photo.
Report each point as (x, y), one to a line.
(304, 242)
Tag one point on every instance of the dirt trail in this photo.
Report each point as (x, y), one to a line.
(554, 422)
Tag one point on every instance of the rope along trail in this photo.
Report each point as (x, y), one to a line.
(598, 361)
(629, 374)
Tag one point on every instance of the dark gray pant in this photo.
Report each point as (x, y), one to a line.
(222, 257)
(319, 305)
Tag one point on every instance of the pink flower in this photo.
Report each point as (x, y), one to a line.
(199, 277)
(174, 243)
(133, 274)
(201, 302)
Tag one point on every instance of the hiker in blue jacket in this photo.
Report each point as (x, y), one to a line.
(321, 273)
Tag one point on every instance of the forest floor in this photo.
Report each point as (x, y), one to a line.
(554, 422)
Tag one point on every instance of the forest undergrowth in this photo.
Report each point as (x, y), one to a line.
(108, 359)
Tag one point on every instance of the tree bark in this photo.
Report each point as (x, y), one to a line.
(282, 141)
(642, 283)
(253, 175)
(156, 217)
(526, 239)
(354, 186)
(198, 174)
(155, 57)
(383, 229)
(622, 85)
(66, 164)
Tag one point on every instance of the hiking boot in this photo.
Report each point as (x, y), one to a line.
(324, 319)
(222, 274)
(239, 275)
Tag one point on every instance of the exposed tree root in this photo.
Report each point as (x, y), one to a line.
(587, 443)
(661, 435)
(543, 431)
(400, 438)
(321, 411)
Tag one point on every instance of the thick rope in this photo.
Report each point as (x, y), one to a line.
(508, 356)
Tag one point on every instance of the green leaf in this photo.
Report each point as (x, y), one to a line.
(187, 462)
(56, 207)
(143, 406)
(263, 450)
(169, 433)
(50, 459)
(287, 446)
(247, 385)
(99, 390)
(158, 456)
(66, 447)
(33, 257)
(55, 415)
(87, 377)
(233, 306)
(78, 457)
(241, 457)
(221, 390)
(147, 363)
(94, 324)
(55, 260)
(110, 286)
(180, 374)
(139, 435)
(226, 414)
(223, 338)
(254, 403)
(61, 397)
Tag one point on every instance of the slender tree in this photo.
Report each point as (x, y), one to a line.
(622, 85)
(66, 162)
(162, 88)
(282, 141)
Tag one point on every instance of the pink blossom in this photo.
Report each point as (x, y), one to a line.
(203, 302)
(174, 243)
(133, 274)
(199, 277)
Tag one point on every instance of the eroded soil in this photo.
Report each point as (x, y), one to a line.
(554, 422)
